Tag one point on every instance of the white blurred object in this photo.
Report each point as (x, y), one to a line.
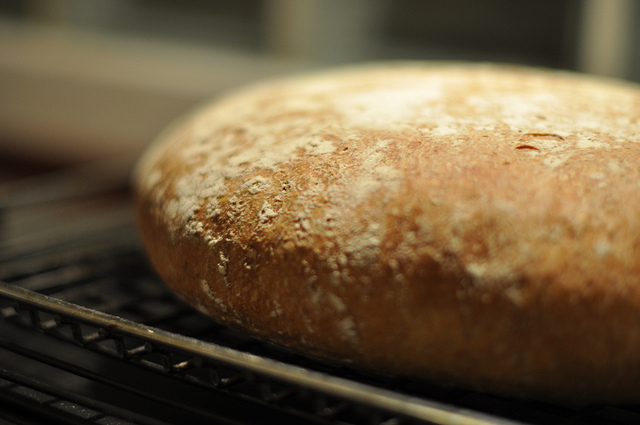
(605, 42)
(72, 95)
(321, 31)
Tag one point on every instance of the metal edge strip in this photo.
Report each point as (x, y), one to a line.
(414, 407)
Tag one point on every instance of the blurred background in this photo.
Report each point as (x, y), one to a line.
(85, 80)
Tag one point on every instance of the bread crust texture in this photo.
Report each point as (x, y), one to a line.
(470, 224)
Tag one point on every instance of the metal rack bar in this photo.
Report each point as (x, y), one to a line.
(385, 400)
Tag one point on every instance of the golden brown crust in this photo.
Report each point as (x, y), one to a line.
(478, 225)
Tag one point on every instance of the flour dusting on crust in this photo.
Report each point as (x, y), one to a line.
(266, 127)
(344, 128)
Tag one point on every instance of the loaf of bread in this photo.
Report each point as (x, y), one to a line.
(468, 224)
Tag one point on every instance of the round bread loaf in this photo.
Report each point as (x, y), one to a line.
(477, 225)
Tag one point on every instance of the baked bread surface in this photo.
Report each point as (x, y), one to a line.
(477, 225)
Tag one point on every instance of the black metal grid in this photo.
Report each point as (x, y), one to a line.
(88, 334)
